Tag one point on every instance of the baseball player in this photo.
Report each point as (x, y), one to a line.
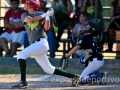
(35, 25)
(93, 59)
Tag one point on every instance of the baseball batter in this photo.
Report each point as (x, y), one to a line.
(35, 25)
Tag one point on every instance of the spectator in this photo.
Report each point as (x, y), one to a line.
(81, 25)
(79, 4)
(90, 9)
(14, 29)
(79, 7)
(51, 33)
(114, 22)
(62, 9)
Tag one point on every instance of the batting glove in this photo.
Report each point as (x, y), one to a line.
(50, 12)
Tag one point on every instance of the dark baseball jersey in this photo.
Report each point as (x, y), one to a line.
(87, 44)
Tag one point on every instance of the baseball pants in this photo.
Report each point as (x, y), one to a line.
(92, 66)
(38, 50)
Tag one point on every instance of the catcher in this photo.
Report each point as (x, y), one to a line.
(93, 59)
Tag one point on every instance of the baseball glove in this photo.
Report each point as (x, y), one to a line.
(64, 62)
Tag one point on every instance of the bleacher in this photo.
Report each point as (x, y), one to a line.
(66, 42)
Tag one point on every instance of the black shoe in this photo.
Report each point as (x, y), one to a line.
(103, 78)
(75, 81)
(20, 84)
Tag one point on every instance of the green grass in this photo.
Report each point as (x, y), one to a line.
(38, 71)
(15, 70)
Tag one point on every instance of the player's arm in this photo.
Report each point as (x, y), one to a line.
(77, 47)
(49, 13)
(30, 19)
(47, 23)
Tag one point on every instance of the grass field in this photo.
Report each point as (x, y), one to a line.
(38, 71)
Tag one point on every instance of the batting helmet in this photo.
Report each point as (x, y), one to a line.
(23, 1)
(33, 3)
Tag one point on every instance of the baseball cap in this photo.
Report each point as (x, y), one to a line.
(44, 1)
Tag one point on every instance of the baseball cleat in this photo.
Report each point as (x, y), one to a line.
(20, 84)
(75, 81)
(103, 78)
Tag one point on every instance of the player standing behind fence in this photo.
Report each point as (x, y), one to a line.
(37, 37)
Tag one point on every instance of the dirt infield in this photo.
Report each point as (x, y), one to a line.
(54, 82)
(9, 69)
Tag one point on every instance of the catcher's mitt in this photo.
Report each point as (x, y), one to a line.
(64, 62)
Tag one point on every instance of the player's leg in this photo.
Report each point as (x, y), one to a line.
(94, 76)
(22, 83)
(92, 66)
(32, 50)
(48, 68)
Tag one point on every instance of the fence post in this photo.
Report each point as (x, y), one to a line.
(96, 11)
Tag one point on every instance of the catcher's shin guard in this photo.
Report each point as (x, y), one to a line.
(64, 62)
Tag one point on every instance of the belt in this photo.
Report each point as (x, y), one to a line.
(34, 41)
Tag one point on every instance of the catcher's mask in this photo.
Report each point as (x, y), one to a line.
(32, 3)
(94, 30)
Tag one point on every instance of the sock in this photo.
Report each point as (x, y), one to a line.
(22, 64)
(61, 72)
